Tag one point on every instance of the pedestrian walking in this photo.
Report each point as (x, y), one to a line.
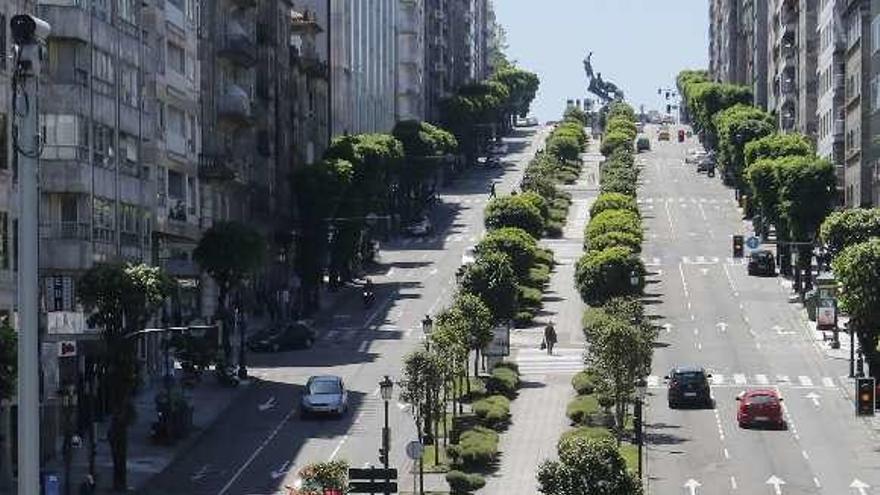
(549, 337)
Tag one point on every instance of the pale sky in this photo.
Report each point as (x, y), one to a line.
(640, 45)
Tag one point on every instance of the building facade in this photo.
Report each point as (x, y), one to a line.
(411, 60)
(830, 111)
(727, 51)
(858, 188)
(363, 68)
(753, 23)
(873, 155)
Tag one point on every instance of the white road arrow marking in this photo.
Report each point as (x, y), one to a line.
(269, 404)
(692, 486)
(667, 327)
(721, 326)
(402, 406)
(813, 396)
(860, 486)
(704, 271)
(280, 472)
(779, 330)
(776, 483)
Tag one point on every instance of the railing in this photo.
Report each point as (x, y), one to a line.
(65, 230)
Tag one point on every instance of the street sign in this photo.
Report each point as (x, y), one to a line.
(826, 315)
(500, 345)
(372, 487)
(67, 348)
(753, 242)
(414, 450)
(372, 473)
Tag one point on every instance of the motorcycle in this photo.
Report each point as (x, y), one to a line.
(711, 172)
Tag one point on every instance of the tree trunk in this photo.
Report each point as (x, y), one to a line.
(868, 342)
(222, 294)
(476, 363)
(118, 438)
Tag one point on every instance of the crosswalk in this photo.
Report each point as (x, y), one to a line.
(686, 200)
(564, 361)
(694, 260)
(763, 380)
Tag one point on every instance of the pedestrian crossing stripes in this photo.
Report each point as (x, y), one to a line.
(762, 380)
(694, 260)
(686, 200)
(536, 361)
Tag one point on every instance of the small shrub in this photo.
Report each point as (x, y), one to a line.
(523, 318)
(503, 381)
(477, 448)
(560, 203)
(614, 239)
(493, 411)
(544, 257)
(529, 298)
(582, 408)
(538, 277)
(514, 211)
(584, 383)
(613, 201)
(509, 365)
(464, 483)
(587, 432)
(554, 229)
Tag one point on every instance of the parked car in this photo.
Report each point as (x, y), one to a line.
(663, 134)
(643, 144)
(694, 156)
(420, 227)
(760, 407)
(324, 394)
(283, 337)
(688, 385)
(706, 163)
(761, 262)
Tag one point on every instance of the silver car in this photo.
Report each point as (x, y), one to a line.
(324, 394)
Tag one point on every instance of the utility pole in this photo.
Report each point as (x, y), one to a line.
(28, 34)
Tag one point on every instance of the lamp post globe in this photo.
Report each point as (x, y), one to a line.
(641, 389)
(386, 388)
(634, 278)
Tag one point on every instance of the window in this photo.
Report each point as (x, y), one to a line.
(128, 147)
(3, 42)
(103, 146)
(103, 220)
(4, 241)
(64, 136)
(875, 93)
(176, 58)
(175, 185)
(103, 66)
(4, 155)
(130, 85)
(875, 34)
(127, 10)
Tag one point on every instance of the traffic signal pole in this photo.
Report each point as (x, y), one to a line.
(26, 140)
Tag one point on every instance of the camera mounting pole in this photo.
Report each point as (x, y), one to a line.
(29, 34)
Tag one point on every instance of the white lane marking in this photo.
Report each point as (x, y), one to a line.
(653, 381)
(762, 379)
(783, 379)
(732, 483)
(739, 379)
(338, 447)
(703, 212)
(816, 482)
(726, 454)
(699, 347)
(805, 381)
(669, 218)
(717, 379)
(827, 382)
(696, 331)
(805, 455)
(730, 280)
(684, 284)
(257, 452)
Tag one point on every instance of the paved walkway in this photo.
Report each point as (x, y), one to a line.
(539, 411)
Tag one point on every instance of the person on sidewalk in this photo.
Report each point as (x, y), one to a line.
(549, 337)
(492, 191)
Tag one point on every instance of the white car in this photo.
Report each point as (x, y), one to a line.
(694, 156)
(324, 394)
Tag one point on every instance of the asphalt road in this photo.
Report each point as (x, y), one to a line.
(744, 330)
(261, 442)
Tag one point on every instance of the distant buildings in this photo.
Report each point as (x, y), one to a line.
(820, 62)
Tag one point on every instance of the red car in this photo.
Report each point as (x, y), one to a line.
(760, 407)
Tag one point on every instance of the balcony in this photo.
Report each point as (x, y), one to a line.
(304, 24)
(838, 128)
(237, 46)
(217, 168)
(234, 106)
(78, 231)
(67, 21)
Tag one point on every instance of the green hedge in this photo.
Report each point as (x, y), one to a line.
(509, 365)
(582, 408)
(503, 381)
(584, 382)
(514, 211)
(461, 483)
(614, 239)
(529, 298)
(613, 201)
(493, 411)
(602, 275)
(614, 221)
(588, 432)
(477, 448)
(539, 276)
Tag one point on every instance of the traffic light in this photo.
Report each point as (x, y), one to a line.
(865, 396)
(737, 246)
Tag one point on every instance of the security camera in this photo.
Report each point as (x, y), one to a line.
(27, 29)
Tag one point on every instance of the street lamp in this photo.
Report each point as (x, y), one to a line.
(427, 328)
(634, 278)
(68, 405)
(386, 388)
(641, 391)
(241, 326)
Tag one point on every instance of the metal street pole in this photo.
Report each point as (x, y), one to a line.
(26, 32)
(852, 350)
(386, 444)
(639, 435)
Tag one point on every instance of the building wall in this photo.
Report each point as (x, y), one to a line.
(411, 60)
(807, 51)
(753, 15)
(830, 111)
(363, 65)
(873, 155)
(783, 66)
(858, 173)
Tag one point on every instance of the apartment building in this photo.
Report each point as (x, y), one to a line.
(363, 69)
(411, 60)
(311, 81)
(727, 51)
(171, 84)
(858, 172)
(873, 155)
(438, 51)
(830, 91)
(792, 62)
(753, 25)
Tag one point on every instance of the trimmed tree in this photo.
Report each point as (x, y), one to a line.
(587, 466)
(614, 221)
(514, 211)
(613, 201)
(602, 275)
(516, 243)
(229, 252)
(777, 145)
(857, 268)
(492, 278)
(121, 299)
(848, 227)
(736, 126)
(614, 239)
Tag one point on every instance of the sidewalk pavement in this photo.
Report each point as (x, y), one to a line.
(538, 413)
(209, 400)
